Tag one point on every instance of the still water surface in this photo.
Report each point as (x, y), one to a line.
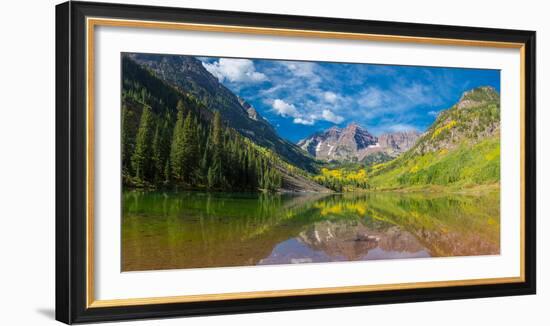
(167, 230)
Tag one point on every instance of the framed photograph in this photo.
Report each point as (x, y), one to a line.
(213, 162)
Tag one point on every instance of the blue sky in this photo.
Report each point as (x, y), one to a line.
(299, 98)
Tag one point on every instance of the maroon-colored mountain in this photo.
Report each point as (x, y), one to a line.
(356, 143)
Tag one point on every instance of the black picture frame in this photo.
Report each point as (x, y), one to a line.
(71, 157)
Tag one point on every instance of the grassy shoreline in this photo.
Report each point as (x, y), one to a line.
(472, 189)
(469, 190)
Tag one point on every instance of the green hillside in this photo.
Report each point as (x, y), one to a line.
(187, 74)
(175, 135)
(461, 149)
(169, 139)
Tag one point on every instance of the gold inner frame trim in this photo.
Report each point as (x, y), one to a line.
(286, 293)
(92, 22)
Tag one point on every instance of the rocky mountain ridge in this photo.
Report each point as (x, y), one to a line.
(475, 117)
(355, 143)
(188, 75)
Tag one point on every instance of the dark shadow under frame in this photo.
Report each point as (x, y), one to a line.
(71, 157)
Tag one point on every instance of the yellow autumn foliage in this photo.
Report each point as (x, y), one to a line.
(359, 175)
(343, 179)
(359, 208)
(447, 126)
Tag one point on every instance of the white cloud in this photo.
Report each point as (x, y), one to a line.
(397, 100)
(299, 83)
(331, 117)
(330, 97)
(235, 70)
(304, 121)
(285, 109)
(391, 126)
(433, 113)
(401, 127)
(417, 93)
(398, 97)
(303, 69)
(371, 98)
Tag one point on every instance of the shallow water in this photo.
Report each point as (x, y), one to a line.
(168, 230)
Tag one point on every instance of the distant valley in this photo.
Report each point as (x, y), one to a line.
(182, 128)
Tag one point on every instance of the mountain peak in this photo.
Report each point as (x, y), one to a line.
(354, 142)
(475, 117)
(354, 126)
(362, 137)
(480, 94)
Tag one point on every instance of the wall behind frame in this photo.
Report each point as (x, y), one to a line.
(27, 164)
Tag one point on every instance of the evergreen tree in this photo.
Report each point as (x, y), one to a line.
(215, 179)
(157, 159)
(177, 149)
(141, 157)
(143, 95)
(164, 146)
(190, 155)
(169, 147)
(167, 173)
(204, 164)
(211, 178)
(126, 140)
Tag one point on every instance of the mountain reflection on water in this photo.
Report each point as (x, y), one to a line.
(194, 229)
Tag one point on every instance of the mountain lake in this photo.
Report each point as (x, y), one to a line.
(177, 230)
